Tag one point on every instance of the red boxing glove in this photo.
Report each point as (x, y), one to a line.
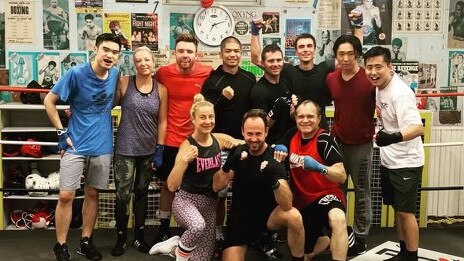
(206, 3)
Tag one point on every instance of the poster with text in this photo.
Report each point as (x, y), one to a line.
(145, 30)
(48, 69)
(456, 68)
(20, 22)
(328, 15)
(271, 22)
(180, 23)
(456, 25)
(324, 47)
(88, 6)
(408, 72)
(56, 25)
(89, 26)
(242, 20)
(376, 21)
(118, 24)
(418, 16)
(293, 28)
(69, 60)
(22, 68)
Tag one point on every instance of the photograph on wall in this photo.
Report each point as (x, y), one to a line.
(89, 26)
(328, 15)
(48, 69)
(272, 40)
(2, 40)
(375, 20)
(325, 40)
(408, 72)
(22, 67)
(69, 60)
(427, 76)
(88, 6)
(293, 28)
(56, 24)
(20, 22)
(126, 64)
(242, 20)
(399, 45)
(456, 68)
(180, 23)
(450, 107)
(271, 23)
(118, 24)
(418, 16)
(144, 30)
(456, 25)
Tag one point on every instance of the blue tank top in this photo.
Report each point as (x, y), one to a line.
(198, 177)
(138, 129)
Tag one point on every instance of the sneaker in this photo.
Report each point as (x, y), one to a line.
(399, 256)
(141, 245)
(120, 248)
(273, 253)
(358, 248)
(164, 247)
(61, 252)
(162, 236)
(87, 249)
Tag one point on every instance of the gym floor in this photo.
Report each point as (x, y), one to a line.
(35, 245)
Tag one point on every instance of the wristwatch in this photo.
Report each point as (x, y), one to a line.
(324, 172)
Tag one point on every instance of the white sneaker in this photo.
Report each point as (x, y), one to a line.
(164, 247)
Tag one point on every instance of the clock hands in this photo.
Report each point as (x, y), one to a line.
(215, 24)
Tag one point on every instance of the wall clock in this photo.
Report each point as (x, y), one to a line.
(213, 24)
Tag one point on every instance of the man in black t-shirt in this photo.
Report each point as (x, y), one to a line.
(262, 198)
(271, 93)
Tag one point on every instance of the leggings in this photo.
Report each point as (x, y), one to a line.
(197, 214)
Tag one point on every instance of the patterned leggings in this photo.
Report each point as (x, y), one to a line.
(197, 214)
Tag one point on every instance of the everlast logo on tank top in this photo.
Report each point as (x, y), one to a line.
(208, 163)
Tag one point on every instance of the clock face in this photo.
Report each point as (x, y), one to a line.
(213, 24)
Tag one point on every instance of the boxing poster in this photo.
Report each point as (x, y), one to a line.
(89, 26)
(144, 30)
(418, 16)
(22, 66)
(126, 64)
(324, 47)
(450, 107)
(271, 23)
(48, 69)
(293, 28)
(375, 19)
(456, 68)
(408, 72)
(242, 19)
(272, 40)
(180, 23)
(328, 17)
(456, 25)
(69, 60)
(399, 46)
(88, 6)
(20, 22)
(427, 76)
(56, 25)
(119, 24)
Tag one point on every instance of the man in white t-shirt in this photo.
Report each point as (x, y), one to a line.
(401, 149)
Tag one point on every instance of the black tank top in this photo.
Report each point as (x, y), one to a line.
(198, 178)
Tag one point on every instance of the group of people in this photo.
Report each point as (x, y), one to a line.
(203, 130)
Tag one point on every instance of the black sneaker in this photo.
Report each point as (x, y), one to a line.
(87, 249)
(358, 248)
(141, 245)
(120, 247)
(162, 236)
(61, 252)
(397, 257)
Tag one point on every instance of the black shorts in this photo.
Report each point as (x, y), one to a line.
(316, 219)
(169, 158)
(399, 188)
(244, 227)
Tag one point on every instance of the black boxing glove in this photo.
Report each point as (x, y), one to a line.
(384, 138)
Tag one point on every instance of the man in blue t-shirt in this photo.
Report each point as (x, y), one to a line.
(86, 145)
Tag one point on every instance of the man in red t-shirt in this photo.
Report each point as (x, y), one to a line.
(182, 80)
(353, 126)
